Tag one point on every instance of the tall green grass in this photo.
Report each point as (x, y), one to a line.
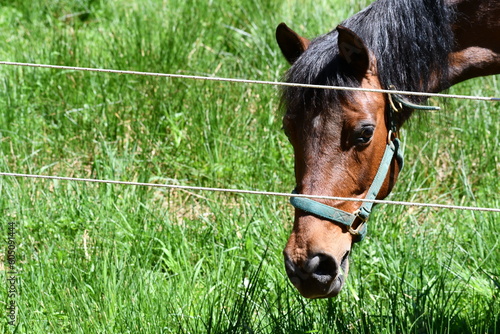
(101, 258)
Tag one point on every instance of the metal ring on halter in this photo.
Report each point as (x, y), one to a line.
(356, 231)
(393, 106)
(361, 226)
(389, 136)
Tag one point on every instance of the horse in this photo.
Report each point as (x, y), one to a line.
(345, 142)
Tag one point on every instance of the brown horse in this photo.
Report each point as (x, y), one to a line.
(345, 143)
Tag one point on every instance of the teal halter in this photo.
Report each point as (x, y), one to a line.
(392, 151)
(345, 218)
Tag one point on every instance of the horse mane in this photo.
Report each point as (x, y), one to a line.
(411, 40)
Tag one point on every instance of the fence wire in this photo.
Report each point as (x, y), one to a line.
(249, 192)
(245, 81)
(272, 83)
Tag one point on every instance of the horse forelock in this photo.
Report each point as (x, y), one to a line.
(319, 65)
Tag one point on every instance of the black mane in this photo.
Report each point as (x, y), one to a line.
(411, 40)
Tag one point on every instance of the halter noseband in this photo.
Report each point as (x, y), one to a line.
(392, 151)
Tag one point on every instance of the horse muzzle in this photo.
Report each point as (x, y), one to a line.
(319, 276)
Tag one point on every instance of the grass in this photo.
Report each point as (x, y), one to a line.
(119, 259)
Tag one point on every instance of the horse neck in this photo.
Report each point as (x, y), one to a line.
(477, 40)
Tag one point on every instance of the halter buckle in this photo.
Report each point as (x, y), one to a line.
(356, 231)
(363, 215)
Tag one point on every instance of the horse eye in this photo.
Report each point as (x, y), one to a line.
(365, 135)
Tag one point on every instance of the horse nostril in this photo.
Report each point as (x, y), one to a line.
(312, 264)
(322, 265)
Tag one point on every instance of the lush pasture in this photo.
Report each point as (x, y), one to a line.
(122, 259)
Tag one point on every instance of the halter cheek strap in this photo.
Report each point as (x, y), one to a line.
(347, 219)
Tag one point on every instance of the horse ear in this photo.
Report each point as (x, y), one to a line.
(353, 50)
(292, 45)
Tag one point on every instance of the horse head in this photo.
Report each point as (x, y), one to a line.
(340, 139)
